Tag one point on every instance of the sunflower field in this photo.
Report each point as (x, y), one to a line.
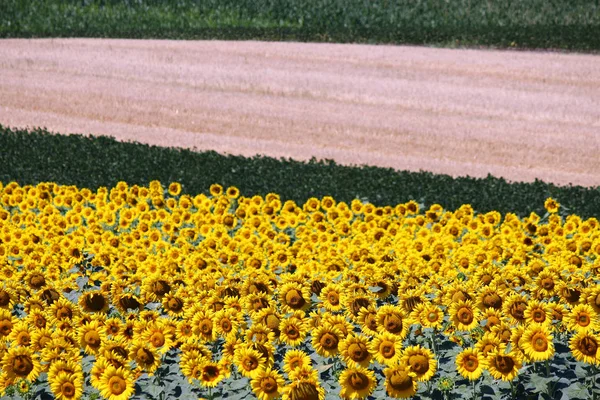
(147, 292)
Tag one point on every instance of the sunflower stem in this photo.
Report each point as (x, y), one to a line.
(547, 368)
(433, 346)
(513, 390)
(474, 392)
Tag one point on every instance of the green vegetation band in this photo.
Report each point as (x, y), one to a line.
(573, 25)
(30, 157)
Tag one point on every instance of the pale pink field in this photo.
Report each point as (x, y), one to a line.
(519, 115)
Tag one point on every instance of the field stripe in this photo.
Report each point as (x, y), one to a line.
(518, 115)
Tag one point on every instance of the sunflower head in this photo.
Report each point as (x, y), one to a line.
(21, 363)
(116, 383)
(503, 365)
(249, 361)
(464, 315)
(585, 347)
(67, 386)
(303, 389)
(355, 350)
(326, 339)
(386, 348)
(536, 343)
(295, 359)
(267, 384)
(470, 363)
(421, 361)
(211, 373)
(357, 383)
(400, 381)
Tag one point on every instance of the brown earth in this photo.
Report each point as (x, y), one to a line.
(520, 115)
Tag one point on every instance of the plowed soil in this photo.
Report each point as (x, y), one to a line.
(519, 115)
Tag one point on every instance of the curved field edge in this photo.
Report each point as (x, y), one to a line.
(37, 155)
(532, 24)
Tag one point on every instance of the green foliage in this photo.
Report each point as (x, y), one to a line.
(571, 25)
(30, 157)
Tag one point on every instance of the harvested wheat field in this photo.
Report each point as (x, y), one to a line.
(519, 115)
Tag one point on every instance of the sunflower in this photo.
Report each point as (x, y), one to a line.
(127, 303)
(184, 331)
(303, 373)
(514, 307)
(216, 190)
(357, 383)
(112, 326)
(333, 297)
(174, 303)
(409, 298)
(326, 339)
(269, 317)
(155, 287)
(61, 310)
(21, 363)
(464, 315)
(232, 192)
(20, 334)
(40, 338)
(428, 315)
(503, 365)
(159, 335)
(470, 363)
(211, 373)
(228, 348)
(338, 321)
(585, 347)
(249, 362)
(545, 283)
(355, 303)
(7, 298)
(294, 296)
(267, 384)
(537, 312)
(355, 351)
(67, 386)
(68, 366)
(91, 336)
(190, 365)
(259, 333)
(227, 321)
(551, 205)
(59, 348)
(391, 319)
(536, 343)
(303, 389)
(400, 381)
(174, 189)
(592, 295)
(582, 318)
(367, 319)
(503, 332)
(421, 361)
(386, 348)
(94, 302)
(267, 351)
(294, 359)
(254, 302)
(37, 319)
(293, 332)
(492, 318)
(23, 386)
(116, 383)
(145, 356)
